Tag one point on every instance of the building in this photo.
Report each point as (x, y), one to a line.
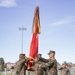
(9, 64)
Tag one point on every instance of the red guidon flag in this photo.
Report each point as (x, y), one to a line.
(34, 41)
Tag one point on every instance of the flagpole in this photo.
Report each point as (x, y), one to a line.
(37, 2)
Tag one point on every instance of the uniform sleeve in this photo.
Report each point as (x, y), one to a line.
(44, 60)
(60, 67)
(50, 63)
(45, 65)
(22, 61)
(26, 60)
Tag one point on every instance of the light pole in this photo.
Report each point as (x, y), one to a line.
(22, 29)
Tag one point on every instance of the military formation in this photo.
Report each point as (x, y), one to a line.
(41, 66)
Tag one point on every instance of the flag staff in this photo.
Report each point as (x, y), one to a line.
(22, 29)
(37, 2)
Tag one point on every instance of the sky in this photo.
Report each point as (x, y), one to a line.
(57, 19)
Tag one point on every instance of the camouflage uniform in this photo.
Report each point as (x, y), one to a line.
(50, 65)
(39, 69)
(21, 67)
(36, 66)
(64, 70)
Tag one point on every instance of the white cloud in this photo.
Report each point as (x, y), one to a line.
(65, 21)
(7, 3)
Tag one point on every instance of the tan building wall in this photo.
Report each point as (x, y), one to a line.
(9, 64)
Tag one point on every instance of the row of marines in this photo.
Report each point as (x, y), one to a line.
(41, 66)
